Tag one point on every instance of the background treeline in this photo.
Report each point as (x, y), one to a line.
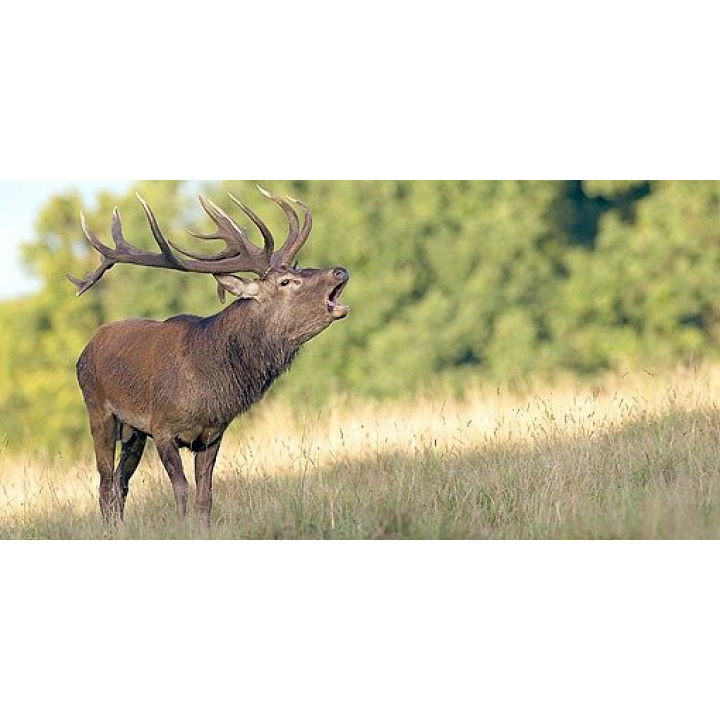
(451, 282)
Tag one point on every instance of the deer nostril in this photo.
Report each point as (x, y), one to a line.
(341, 274)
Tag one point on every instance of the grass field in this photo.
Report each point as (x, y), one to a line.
(633, 456)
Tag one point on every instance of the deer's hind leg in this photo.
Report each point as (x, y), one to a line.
(169, 453)
(204, 464)
(104, 429)
(133, 445)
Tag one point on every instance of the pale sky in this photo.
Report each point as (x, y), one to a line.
(20, 201)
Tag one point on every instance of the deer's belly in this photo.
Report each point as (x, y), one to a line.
(198, 436)
(193, 433)
(135, 420)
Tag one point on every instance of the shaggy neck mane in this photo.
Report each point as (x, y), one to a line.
(246, 354)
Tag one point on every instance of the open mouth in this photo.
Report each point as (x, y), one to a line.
(337, 310)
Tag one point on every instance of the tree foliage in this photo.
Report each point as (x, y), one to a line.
(450, 281)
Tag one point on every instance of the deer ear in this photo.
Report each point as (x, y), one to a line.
(236, 286)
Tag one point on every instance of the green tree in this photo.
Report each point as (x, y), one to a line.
(450, 281)
(648, 292)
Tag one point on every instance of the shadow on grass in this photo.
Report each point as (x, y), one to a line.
(657, 478)
(653, 479)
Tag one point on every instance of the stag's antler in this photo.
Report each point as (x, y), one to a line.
(239, 255)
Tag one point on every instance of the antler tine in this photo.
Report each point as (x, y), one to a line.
(307, 222)
(261, 226)
(296, 237)
(287, 252)
(162, 243)
(92, 238)
(117, 234)
(91, 278)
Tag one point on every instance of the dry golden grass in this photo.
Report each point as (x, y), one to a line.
(630, 456)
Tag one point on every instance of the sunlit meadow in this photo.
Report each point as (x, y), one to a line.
(627, 456)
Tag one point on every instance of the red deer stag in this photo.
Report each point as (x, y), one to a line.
(184, 380)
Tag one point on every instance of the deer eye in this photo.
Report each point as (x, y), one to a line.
(284, 282)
